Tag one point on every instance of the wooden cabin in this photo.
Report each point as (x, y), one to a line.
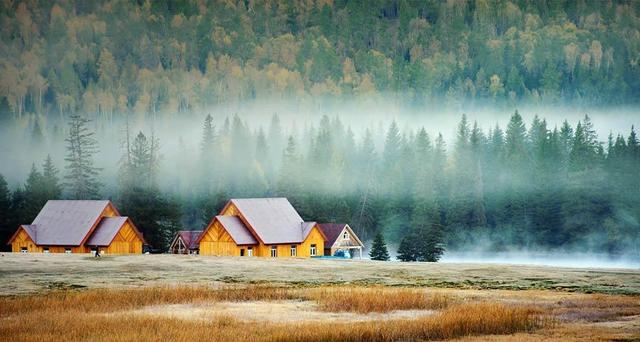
(340, 237)
(185, 242)
(265, 227)
(78, 227)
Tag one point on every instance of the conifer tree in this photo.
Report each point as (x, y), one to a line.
(407, 250)
(208, 139)
(432, 247)
(379, 249)
(139, 197)
(50, 179)
(81, 178)
(5, 212)
(34, 193)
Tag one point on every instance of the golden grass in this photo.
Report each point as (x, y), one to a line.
(475, 319)
(377, 299)
(456, 321)
(334, 299)
(106, 300)
(105, 315)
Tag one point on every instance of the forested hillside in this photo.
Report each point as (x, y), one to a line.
(107, 58)
(120, 93)
(526, 186)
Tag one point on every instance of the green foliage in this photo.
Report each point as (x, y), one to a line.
(81, 178)
(5, 211)
(114, 57)
(379, 249)
(154, 213)
(527, 187)
(407, 250)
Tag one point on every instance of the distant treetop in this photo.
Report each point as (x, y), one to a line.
(108, 57)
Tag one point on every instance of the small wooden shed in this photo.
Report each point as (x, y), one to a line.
(185, 242)
(340, 237)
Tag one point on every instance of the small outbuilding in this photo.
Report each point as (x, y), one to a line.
(340, 239)
(186, 242)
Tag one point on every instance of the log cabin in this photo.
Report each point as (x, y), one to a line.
(78, 227)
(265, 227)
(340, 237)
(185, 242)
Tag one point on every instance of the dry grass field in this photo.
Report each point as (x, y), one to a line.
(180, 298)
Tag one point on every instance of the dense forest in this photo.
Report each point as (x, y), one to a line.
(103, 97)
(515, 187)
(106, 58)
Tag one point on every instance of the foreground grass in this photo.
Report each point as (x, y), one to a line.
(377, 299)
(332, 299)
(102, 315)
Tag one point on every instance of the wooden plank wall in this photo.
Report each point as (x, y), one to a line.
(125, 242)
(217, 241)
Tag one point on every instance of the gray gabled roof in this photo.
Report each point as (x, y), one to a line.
(238, 231)
(106, 231)
(66, 223)
(274, 220)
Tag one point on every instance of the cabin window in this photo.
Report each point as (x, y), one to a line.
(294, 250)
(274, 251)
(45, 250)
(313, 250)
(24, 250)
(345, 236)
(250, 251)
(242, 252)
(67, 250)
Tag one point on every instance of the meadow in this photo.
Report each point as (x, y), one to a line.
(168, 297)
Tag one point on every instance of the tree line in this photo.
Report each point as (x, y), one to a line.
(515, 187)
(108, 58)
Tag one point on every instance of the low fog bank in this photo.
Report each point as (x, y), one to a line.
(182, 132)
(557, 259)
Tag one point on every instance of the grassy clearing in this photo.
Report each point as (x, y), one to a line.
(377, 299)
(129, 314)
(332, 299)
(67, 315)
(33, 273)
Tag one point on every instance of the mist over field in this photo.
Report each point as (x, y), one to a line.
(479, 129)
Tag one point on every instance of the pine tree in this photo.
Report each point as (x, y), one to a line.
(51, 182)
(407, 250)
(5, 211)
(515, 143)
(34, 192)
(208, 137)
(19, 209)
(392, 146)
(288, 180)
(432, 247)
(139, 196)
(379, 249)
(81, 178)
